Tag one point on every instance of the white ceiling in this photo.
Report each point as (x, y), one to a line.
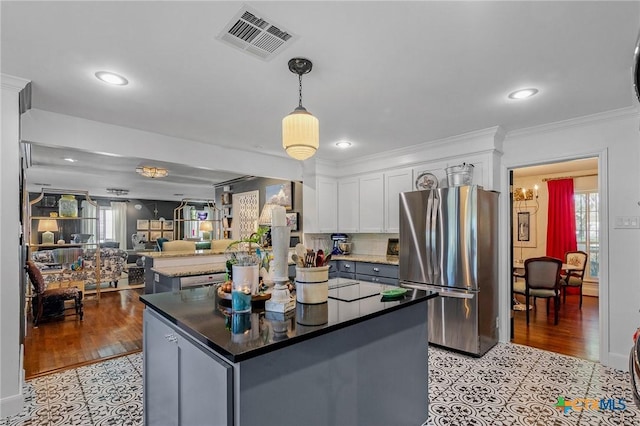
(386, 74)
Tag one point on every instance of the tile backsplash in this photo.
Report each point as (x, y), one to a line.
(364, 244)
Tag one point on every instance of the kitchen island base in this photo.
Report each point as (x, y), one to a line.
(373, 372)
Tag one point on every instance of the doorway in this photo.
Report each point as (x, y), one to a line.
(578, 330)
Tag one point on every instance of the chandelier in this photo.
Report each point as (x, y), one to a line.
(152, 172)
(300, 129)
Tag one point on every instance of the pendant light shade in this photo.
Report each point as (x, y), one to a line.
(300, 134)
(300, 129)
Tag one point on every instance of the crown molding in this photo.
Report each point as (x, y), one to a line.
(14, 83)
(492, 137)
(611, 115)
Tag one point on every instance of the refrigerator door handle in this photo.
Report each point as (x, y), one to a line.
(443, 292)
(433, 263)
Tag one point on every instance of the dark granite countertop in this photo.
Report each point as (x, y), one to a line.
(205, 317)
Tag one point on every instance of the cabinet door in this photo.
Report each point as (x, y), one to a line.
(348, 205)
(371, 203)
(395, 182)
(327, 207)
(160, 357)
(206, 392)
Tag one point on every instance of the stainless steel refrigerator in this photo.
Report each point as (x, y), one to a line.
(449, 244)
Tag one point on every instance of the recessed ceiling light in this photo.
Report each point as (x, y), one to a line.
(71, 160)
(523, 93)
(343, 144)
(112, 78)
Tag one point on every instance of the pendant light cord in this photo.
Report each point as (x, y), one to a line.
(300, 90)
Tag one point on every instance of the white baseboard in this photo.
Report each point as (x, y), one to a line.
(11, 405)
(619, 362)
(590, 289)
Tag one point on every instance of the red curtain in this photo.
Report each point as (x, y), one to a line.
(561, 218)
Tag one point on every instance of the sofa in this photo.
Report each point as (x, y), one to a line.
(78, 264)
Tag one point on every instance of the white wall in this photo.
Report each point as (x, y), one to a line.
(11, 398)
(616, 139)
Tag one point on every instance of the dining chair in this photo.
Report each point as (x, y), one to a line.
(541, 279)
(50, 302)
(574, 277)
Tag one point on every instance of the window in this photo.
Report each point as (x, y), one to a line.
(587, 206)
(106, 224)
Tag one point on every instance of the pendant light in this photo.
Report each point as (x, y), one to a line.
(300, 129)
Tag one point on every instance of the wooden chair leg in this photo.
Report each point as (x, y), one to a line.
(556, 301)
(526, 304)
(37, 314)
(580, 296)
(79, 307)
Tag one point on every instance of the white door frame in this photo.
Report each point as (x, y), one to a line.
(505, 244)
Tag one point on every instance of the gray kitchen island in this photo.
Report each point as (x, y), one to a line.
(357, 359)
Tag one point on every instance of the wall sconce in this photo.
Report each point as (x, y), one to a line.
(523, 195)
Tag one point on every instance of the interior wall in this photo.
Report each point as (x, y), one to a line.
(11, 273)
(613, 137)
(260, 184)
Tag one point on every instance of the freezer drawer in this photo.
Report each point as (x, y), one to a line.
(453, 322)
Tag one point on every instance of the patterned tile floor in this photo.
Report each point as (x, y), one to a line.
(511, 385)
(106, 393)
(519, 385)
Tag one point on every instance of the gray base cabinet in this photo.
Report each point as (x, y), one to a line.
(373, 372)
(183, 385)
(377, 273)
(365, 271)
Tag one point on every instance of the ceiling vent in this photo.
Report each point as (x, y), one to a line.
(255, 34)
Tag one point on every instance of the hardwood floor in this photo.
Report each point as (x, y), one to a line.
(577, 332)
(110, 328)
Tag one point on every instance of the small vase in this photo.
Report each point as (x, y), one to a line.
(68, 206)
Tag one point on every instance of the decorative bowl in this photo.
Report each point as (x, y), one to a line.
(81, 238)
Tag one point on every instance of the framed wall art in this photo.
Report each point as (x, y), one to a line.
(279, 194)
(168, 235)
(154, 235)
(155, 225)
(167, 225)
(292, 221)
(525, 227)
(142, 224)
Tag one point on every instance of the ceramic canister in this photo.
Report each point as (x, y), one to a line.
(312, 284)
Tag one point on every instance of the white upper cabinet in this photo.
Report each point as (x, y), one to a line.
(327, 205)
(395, 182)
(372, 203)
(348, 205)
